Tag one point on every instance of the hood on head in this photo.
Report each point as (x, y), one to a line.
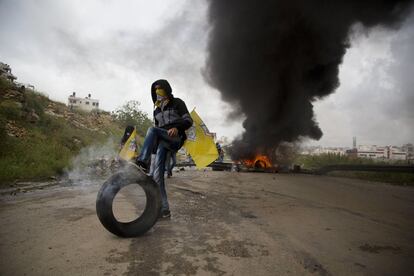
(164, 85)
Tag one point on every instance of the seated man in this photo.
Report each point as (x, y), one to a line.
(171, 120)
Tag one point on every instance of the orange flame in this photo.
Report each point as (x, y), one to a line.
(259, 161)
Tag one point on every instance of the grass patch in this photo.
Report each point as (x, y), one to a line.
(5, 84)
(31, 159)
(316, 162)
(10, 110)
(397, 178)
(36, 101)
(46, 151)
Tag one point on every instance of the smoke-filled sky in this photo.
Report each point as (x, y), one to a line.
(275, 58)
(116, 49)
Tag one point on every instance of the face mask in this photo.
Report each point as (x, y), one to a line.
(161, 92)
(161, 101)
(161, 98)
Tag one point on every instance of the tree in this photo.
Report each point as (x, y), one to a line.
(130, 114)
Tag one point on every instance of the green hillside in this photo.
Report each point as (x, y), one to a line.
(39, 137)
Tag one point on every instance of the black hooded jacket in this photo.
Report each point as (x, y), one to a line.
(175, 113)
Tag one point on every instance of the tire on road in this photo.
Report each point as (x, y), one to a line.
(130, 175)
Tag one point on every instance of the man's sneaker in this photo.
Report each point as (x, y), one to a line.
(165, 214)
(142, 165)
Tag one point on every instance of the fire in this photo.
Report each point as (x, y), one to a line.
(259, 161)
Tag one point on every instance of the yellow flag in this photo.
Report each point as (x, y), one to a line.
(129, 150)
(200, 143)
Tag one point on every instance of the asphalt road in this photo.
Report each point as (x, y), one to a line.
(223, 223)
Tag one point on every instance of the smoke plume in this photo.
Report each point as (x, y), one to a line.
(271, 59)
(92, 163)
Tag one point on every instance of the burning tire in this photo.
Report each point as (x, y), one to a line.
(104, 209)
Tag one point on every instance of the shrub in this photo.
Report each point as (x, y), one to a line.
(130, 114)
(3, 136)
(10, 110)
(5, 84)
(36, 101)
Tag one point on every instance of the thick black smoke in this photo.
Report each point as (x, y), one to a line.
(272, 59)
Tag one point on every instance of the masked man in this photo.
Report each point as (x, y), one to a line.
(171, 120)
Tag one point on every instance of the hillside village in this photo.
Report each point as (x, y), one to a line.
(38, 136)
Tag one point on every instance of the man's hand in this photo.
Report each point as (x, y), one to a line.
(172, 132)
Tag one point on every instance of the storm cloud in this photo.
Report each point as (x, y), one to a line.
(272, 59)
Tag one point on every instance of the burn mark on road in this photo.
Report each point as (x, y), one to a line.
(188, 190)
(116, 257)
(73, 213)
(376, 249)
(172, 249)
(212, 268)
(233, 249)
(311, 264)
(248, 215)
(360, 265)
(240, 249)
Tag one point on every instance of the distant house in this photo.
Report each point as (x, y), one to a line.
(87, 103)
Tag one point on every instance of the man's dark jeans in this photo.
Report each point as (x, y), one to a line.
(170, 162)
(159, 137)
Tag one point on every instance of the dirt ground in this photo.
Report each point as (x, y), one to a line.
(223, 223)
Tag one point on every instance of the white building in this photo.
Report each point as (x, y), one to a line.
(379, 152)
(396, 153)
(372, 152)
(87, 103)
(318, 150)
(409, 149)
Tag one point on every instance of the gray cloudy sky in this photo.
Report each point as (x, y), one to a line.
(116, 49)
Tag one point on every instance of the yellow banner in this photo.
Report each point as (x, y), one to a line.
(200, 143)
(129, 150)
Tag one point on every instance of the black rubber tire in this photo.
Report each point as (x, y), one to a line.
(129, 175)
